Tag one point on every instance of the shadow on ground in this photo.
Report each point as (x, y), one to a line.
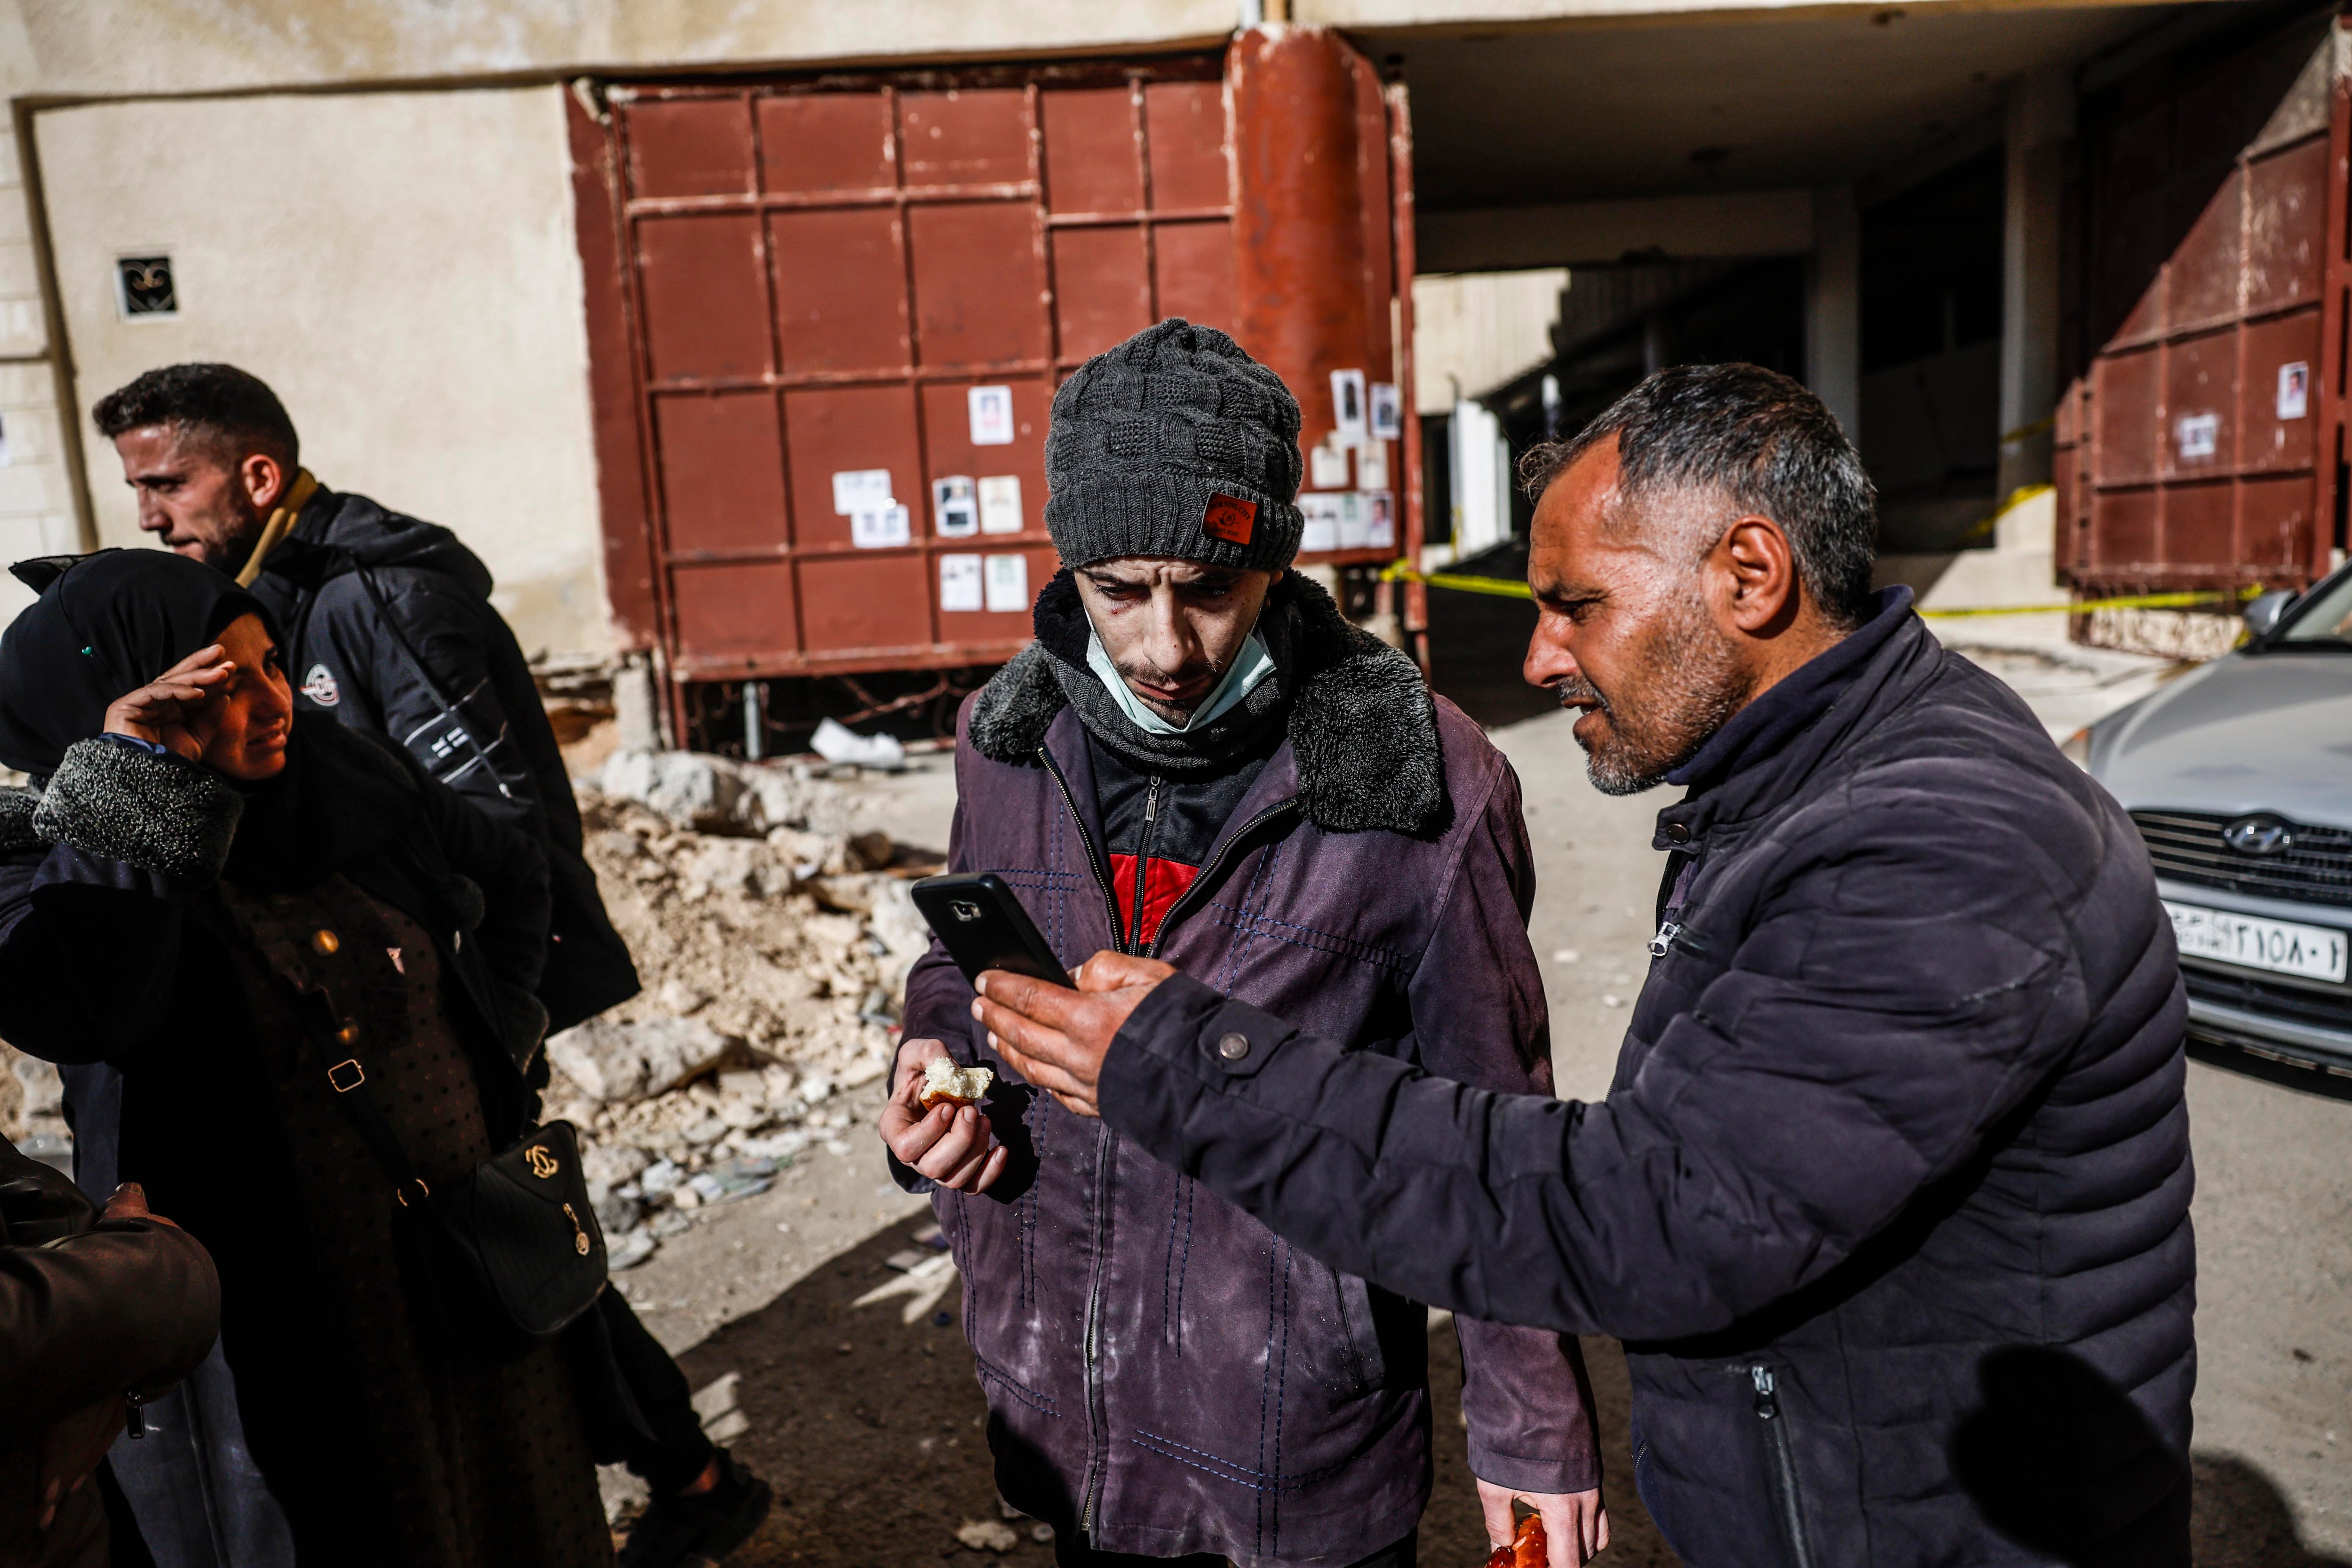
(2240, 1521)
(872, 1426)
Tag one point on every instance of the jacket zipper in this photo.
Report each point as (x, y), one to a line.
(1783, 1458)
(1143, 858)
(1094, 856)
(1208, 873)
(1098, 1419)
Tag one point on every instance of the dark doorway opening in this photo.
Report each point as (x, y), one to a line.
(1931, 266)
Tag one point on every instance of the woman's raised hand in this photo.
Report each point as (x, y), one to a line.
(169, 709)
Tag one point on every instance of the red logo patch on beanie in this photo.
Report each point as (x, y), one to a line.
(1230, 519)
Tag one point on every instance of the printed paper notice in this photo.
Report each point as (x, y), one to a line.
(1321, 533)
(991, 416)
(1348, 406)
(954, 512)
(959, 582)
(1388, 412)
(1000, 504)
(861, 490)
(1372, 465)
(1355, 523)
(1327, 467)
(2295, 389)
(880, 527)
(1008, 583)
(2196, 434)
(1384, 525)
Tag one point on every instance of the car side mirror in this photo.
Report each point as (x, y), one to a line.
(2264, 612)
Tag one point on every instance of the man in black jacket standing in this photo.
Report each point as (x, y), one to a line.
(389, 628)
(1889, 1199)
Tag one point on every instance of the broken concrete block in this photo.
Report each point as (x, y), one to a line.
(676, 996)
(614, 1061)
(724, 865)
(691, 790)
(612, 1163)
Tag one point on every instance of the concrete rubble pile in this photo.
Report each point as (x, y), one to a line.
(774, 941)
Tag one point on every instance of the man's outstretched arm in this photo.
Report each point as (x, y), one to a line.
(1773, 1129)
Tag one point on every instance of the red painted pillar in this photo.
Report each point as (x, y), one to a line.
(1298, 213)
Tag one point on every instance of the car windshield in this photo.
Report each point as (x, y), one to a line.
(2327, 619)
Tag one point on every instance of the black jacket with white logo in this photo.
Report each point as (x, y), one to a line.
(389, 628)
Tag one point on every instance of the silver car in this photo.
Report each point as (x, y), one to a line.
(2239, 776)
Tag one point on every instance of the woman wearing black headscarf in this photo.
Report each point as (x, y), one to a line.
(187, 845)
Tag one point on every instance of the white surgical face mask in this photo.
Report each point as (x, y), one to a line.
(1250, 666)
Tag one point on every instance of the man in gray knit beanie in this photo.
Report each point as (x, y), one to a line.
(1200, 759)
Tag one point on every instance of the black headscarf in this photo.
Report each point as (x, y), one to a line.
(109, 623)
(105, 625)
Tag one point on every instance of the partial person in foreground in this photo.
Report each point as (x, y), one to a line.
(196, 876)
(101, 1309)
(1200, 757)
(389, 628)
(1889, 1199)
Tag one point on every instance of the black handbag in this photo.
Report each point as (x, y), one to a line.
(504, 1258)
(500, 1262)
(507, 1258)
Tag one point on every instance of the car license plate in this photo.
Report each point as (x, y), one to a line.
(2281, 947)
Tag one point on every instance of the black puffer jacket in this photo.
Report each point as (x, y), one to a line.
(389, 628)
(1890, 1197)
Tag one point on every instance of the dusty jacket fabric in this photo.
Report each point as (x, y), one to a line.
(389, 628)
(1160, 1370)
(1890, 1196)
(89, 1309)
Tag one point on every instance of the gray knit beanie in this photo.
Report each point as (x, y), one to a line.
(1177, 444)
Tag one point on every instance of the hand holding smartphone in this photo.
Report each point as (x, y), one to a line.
(979, 919)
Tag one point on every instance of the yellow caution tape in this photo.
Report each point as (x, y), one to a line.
(2023, 431)
(2190, 600)
(1509, 588)
(1501, 587)
(2017, 497)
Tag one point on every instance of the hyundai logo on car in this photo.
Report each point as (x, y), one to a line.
(2258, 835)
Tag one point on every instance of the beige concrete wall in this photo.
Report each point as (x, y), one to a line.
(1472, 331)
(401, 267)
(36, 506)
(94, 47)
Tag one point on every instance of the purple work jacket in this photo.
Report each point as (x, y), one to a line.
(1162, 1371)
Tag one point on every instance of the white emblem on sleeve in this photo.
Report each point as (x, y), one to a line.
(319, 686)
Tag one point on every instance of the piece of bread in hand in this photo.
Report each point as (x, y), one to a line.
(946, 1083)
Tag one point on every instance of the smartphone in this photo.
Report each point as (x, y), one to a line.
(980, 921)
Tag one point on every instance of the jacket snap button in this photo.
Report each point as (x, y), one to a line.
(1677, 834)
(324, 942)
(1233, 1047)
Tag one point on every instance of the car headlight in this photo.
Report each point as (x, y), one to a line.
(2077, 747)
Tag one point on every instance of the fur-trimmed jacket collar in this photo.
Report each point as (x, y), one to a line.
(1360, 724)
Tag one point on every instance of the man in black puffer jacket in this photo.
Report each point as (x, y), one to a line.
(389, 628)
(1890, 1197)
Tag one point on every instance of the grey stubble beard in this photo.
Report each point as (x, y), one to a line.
(1686, 686)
